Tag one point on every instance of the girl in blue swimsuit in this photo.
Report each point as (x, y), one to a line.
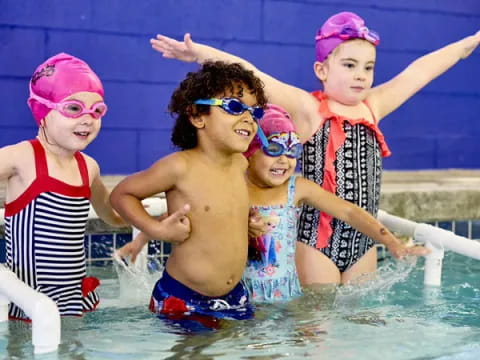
(277, 194)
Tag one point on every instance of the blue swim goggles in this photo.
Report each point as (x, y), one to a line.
(286, 143)
(236, 107)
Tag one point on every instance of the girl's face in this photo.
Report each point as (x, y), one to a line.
(347, 73)
(72, 134)
(269, 171)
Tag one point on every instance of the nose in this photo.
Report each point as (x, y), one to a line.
(248, 117)
(282, 159)
(360, 75)
(87, 119)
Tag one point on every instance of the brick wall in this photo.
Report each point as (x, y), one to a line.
(437, 128)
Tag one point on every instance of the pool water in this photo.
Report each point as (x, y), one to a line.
(392, 316)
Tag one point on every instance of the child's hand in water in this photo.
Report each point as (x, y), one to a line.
(256, 226)
(471, 44)
(399, 250)
(417, 250)
(173, 49)
(133, 248)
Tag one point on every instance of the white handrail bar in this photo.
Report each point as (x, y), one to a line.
(40, 308)
(436, 239)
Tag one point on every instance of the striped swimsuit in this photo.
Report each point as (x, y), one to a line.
(45, 230)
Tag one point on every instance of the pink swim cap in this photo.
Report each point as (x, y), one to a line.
(340, 28)
(275, 120)
(59, 77)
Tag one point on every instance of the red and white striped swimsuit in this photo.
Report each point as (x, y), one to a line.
(45, 231)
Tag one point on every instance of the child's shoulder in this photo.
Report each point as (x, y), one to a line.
(20, 149)
(175, 163)
(92, 165)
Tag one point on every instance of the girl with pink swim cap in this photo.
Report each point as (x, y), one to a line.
(343, 146)
(277, 194)
(50, 185)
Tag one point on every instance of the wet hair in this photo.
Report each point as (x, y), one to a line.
(211, 80)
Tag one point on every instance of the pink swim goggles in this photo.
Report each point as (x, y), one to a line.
(348, 33)
(340, 28)
(73, 108)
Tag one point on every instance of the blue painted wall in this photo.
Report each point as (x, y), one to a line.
(438, 128)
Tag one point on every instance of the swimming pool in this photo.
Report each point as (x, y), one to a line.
(391, 317)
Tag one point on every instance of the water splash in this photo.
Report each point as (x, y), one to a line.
(375, 285)
(136, 280)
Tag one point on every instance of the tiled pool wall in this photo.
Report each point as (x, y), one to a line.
(99, 247)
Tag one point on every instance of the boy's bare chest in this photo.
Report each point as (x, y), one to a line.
(219, 193)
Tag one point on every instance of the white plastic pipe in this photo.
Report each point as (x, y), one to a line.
(436, 239)
(3, 307)
(442, 238)
(40, 308)
(433, 265)
(397, 224)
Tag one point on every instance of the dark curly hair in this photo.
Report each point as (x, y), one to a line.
(213, 78)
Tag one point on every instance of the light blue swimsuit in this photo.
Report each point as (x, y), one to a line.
(271, 274)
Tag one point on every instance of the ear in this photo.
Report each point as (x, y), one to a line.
(321, 70)
(198, 121)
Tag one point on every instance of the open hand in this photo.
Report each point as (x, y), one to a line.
(399, 250)
(472, 43)
(131, 249)
(173, 49)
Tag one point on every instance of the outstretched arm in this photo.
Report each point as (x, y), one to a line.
(387, 97)
(292, 99)
(312, 194)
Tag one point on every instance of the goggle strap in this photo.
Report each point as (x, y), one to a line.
(208, 102)
(261, 136)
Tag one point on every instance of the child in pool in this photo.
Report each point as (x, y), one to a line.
(343, 145)
(277, 194)
(216, 110)
(51, 184)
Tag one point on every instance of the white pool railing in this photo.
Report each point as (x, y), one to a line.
(39, 308)
(46, 325)
(436, 239)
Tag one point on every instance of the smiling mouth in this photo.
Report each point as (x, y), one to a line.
(278, 172)
(243, 132)
(82, 133)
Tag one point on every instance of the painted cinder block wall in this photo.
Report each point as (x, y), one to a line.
(438, 128)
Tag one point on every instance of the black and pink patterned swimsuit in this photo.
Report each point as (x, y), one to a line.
(345, 157)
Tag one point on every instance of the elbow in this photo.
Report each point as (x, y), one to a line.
(115, 199)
